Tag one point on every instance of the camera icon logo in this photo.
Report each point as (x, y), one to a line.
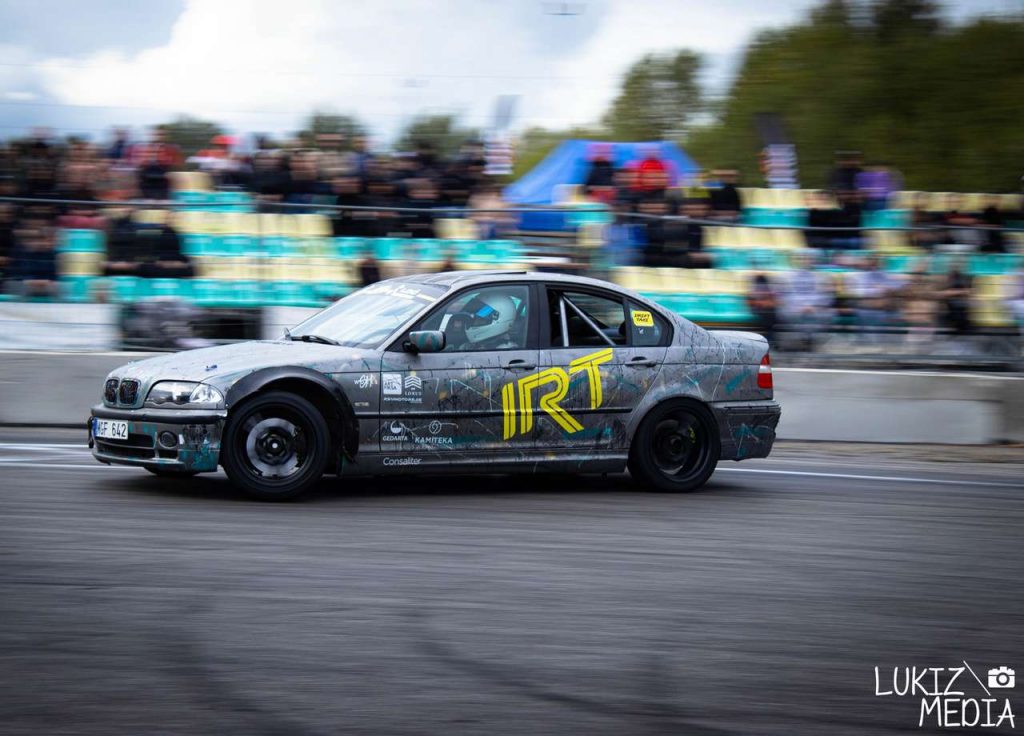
(1001, 677)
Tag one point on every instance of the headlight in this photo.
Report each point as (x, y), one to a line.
(184, 394)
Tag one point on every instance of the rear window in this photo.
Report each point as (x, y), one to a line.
(647, 328)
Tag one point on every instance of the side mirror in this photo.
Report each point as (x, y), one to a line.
(424, 341)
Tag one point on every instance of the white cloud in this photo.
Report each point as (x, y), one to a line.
(263, 65)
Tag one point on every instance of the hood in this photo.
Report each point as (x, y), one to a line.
(221, 366)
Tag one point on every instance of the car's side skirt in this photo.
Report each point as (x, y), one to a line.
(398, 463)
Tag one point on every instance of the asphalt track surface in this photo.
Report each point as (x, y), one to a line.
(133, 605)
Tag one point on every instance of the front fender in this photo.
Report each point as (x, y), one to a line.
(299, 377)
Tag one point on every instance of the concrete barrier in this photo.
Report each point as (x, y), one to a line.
(52, 388)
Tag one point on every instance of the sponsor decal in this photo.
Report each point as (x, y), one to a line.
(643, 319)
(400, 291)
(392, 384)
(434, 427)
(952, 697)
(407, 389)
(517, 397)
(389, 461)
(397, 433)
(367, 380)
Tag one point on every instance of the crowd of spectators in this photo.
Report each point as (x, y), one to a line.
(330, 169)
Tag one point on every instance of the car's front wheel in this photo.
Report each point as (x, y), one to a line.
(676, 447)
(276, 445)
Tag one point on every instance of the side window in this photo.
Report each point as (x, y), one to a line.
(588, 320)
(648, 329)
(491, 318)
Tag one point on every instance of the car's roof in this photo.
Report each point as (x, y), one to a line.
(462, 278)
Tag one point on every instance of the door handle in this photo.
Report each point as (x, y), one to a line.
(519, 365)
(641, 361)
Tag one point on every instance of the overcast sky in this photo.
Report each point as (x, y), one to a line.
(263, 65)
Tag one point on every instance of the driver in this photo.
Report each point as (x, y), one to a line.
(485, 322)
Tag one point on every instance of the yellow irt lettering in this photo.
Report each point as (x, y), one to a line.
(590, 363)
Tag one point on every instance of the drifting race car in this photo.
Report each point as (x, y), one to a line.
(479, 372)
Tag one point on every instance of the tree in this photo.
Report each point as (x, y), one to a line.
(440, 131)
(190, 134)
(320, 123)
(659, 98)
(939, 102)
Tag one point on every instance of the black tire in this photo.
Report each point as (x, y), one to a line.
(171, 472)
(275, 446)
(676, 447)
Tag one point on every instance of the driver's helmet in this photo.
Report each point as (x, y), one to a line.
(490, 316)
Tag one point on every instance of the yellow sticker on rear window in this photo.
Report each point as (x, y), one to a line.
(643, 319)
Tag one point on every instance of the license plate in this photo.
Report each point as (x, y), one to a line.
(106, 429)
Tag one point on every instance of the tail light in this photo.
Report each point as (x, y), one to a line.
(764, 373)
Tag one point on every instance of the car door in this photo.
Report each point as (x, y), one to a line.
(442, 404)
(600, 354)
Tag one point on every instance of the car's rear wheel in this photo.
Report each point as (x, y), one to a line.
(676, 447)
(171, 472)
(276, 445)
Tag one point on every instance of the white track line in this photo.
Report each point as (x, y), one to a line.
(767, 471)
(887, 478)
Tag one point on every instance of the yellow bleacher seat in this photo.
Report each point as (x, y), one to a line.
(906, 200)
(762, 197)
(628, 277)
(893, 242)
(72, 263)
(1009, 202)
(940, 201)
(194, 181)
(791, 199)
(151, 216)
(241, 223)
(788, 239)
(754, 237)
(270, 224)
(314, 226)
(723, 282)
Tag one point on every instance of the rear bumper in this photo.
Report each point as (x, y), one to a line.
(196, 438)
(747, 429)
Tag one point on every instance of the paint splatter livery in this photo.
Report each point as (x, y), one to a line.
(453, 372)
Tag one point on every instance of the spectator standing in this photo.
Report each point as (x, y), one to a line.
(763, 303)
(876, 184)
(34, 261)
(807, 304)
(876, 299)
(154, 161)
(725, 198)
(956, 294)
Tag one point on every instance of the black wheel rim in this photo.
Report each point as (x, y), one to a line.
(275, 444)
(680, 445)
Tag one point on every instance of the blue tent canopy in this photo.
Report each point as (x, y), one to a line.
(570, 162)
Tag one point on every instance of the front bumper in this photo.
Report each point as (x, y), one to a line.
(196, 432)
(747, 428)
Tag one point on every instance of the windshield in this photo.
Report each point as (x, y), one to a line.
(364, 319)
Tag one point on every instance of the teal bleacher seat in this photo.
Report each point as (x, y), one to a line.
(294, 294)
(80, 241)
(239, 245)
(900, 264)
(427, 250)
(886, 218)
(730, 258)
(349, 248)
(124, 289)
(767, 217)
(77, 289)
(767, 259)
(992, 264)
(176, 288)
(188, 198)
(388, 249)
(729, 308)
